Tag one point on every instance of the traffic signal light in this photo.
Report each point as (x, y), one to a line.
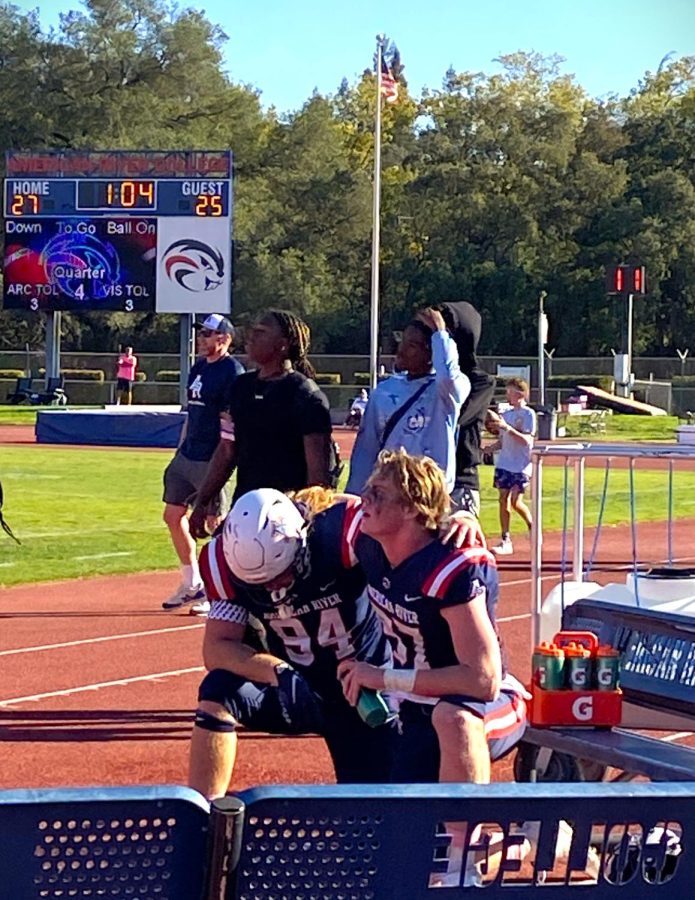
(626, 280)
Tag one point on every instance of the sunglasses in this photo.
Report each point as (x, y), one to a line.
(376, 494)
(206, 332)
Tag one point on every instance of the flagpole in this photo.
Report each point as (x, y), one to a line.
(376, 204)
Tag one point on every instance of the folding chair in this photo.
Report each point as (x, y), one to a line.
(54, 394)
(22, 391)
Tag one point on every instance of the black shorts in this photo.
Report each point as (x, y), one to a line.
(416, 755)
(123, 384)
(360, 754)
(182, 479)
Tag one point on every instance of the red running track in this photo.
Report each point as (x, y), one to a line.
(98, 684)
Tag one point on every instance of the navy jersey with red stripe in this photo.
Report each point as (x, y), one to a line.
(409, 598)
(326, 615)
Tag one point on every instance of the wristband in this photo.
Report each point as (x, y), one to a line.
(400, 680)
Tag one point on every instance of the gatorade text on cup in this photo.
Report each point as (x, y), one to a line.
(607, 671)
(548, 667)
(578, 667)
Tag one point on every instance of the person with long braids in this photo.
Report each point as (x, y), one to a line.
(278, 431)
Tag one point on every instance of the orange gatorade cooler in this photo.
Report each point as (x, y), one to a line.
(607, 671)
(548, 667)
(578, 667)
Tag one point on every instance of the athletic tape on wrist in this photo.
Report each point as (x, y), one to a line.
(400, 680)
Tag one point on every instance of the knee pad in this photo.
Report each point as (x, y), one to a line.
(219, 686)
(209, 722)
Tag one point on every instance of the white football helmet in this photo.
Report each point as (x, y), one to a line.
(263, 535)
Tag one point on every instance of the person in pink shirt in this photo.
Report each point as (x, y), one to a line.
(125, 376)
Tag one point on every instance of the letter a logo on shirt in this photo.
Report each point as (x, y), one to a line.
(196, 387)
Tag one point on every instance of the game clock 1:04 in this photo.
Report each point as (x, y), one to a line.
(126, 194)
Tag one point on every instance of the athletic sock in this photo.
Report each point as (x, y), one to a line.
(191, 576)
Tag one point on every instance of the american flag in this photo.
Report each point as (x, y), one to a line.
(389, 85)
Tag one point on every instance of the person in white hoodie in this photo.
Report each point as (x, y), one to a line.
(417, 410)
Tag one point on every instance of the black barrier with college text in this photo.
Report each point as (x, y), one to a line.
(413, 842)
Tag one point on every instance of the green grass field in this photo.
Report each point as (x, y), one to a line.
(26, 415)
(92, 512)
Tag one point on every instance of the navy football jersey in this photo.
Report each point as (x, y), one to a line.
(326, 616)
(409, 598)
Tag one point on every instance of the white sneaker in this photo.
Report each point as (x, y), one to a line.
(200, 608)
(183, 596)
(504, 548)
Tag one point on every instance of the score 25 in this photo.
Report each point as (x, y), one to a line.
(208, 205)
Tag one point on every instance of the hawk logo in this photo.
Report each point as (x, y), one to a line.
(417, 421)
(193, 265)
(196, 387)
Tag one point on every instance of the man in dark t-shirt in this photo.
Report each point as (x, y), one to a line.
(268, 421)
(209, 384)
(278, 431)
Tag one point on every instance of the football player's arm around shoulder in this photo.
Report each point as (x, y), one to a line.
(336, 530)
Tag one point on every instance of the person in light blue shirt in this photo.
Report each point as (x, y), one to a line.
(417, 409)
(516, 428)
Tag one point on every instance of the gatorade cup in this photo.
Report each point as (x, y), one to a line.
(578, 667)
(548, 664)
(372, 708)
(607, 668)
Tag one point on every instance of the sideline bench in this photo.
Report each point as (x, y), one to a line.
(658, 682)
(138, 843)
(349, 843)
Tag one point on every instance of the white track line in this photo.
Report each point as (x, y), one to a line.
(513, 618)
(102, 684)
(105, 555)
(99, 640)
(677, 736)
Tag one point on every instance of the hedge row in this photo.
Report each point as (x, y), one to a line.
(79, 375)
(571, 382)
(362, 378)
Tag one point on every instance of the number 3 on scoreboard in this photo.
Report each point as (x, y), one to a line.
(208, 205)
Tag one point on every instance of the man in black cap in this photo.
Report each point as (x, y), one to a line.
(464, 324)
(209, 384)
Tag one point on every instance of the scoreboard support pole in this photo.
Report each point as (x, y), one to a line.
(53, 320)
(186, 354)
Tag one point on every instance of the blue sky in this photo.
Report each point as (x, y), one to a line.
(286, 48)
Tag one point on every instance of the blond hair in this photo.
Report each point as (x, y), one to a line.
(518, 384)
(420, 483)
(313, 500)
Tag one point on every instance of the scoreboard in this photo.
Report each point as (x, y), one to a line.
(118, 231)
